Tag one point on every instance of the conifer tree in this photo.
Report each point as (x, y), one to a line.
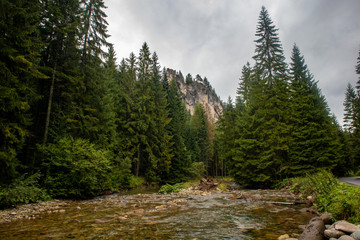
(177, 114)
(314, 142)
(19, 73)
(161, 144)
(60, 58)
(349, 108)
(226, 135)
(262, 147)
(199, 127)
(94, 28)
(352, 119)
(188, 79)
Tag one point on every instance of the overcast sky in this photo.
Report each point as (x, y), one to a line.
(215, 38)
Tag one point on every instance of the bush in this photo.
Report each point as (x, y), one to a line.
(167, 188)
(342, 200)
(136, 182)
(22, 190)
(75, 168)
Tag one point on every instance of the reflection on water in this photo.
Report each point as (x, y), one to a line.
(155, 216)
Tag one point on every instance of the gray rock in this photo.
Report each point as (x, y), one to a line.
(345, 226)
(314, 230)
(345, 237)
(355, 235)
(332, 233)
(333, 239)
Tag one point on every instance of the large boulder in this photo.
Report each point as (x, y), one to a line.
(314, 230)
(345, 226)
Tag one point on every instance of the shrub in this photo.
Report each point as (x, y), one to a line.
(22, 190)
(167, 188)
(76, 168)
(136, 182)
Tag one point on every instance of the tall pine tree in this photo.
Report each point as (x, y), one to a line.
(262, 146)
(19, 74)
(314, 142)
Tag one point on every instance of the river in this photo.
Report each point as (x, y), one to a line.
(189, 215)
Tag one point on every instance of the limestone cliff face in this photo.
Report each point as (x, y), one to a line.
(197, 92)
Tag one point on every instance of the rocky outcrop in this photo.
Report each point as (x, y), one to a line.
(197, 92)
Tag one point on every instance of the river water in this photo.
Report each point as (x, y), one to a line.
(195, 215)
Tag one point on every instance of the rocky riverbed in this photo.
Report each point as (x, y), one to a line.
(235, 214)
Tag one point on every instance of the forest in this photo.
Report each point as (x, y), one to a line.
(77, 124)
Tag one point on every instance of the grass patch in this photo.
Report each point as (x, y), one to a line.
(340, 199)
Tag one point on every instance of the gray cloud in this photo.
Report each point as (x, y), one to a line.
(215, 38)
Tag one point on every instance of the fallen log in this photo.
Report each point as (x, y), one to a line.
(207, 184)
(254, 199)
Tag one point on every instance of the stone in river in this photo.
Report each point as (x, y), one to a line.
(345, 237)
(314, 230)
(283, 237)
(355, 235)
(346, 227)
(333, 233)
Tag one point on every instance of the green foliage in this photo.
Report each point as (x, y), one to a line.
(197, 170)
(136, 182)
(76, 168)
(22, 190)
(19, 73)
(340, 199)
(352, 122)
(167, 188)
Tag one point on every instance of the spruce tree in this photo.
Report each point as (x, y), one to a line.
(199, 127)
(94, 28)
(349, 108)
(226, 135)
(161, 144)
(262, 146)
(177, 114)
(60, 60)
(19, 74)
(314, 142)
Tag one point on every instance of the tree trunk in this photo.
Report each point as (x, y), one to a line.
(222, 167)
(47, 121)
(138, 162)
(87, 29)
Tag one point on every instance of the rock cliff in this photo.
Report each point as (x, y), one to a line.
(197, 91)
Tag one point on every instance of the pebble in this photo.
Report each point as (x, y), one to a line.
(284, 237)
